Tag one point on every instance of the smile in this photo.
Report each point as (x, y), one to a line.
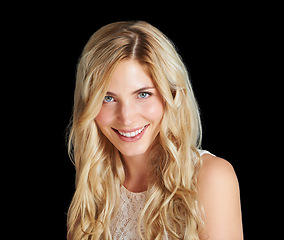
(131, 135)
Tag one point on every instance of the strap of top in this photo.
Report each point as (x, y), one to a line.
(202, 152)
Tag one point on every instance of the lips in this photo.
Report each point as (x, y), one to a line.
(131, 135)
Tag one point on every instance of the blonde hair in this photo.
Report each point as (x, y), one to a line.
(172, 203)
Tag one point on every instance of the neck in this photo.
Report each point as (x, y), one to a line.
(136, 172)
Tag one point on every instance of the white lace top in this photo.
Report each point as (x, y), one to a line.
(125, 223)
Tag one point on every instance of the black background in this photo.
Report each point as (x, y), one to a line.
(222, 46)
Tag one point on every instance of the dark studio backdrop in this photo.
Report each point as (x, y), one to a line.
(217, 46)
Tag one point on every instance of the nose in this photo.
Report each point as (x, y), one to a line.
(126, 113)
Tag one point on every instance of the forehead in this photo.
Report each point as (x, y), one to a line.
(129, 75)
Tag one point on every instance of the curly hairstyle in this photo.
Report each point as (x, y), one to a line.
(172, 200)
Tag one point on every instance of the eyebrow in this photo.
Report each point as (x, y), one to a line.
(136, 91)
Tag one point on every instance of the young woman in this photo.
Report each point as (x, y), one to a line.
(135, 141)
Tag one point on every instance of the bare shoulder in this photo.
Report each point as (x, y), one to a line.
(220, 197)
(215, 169)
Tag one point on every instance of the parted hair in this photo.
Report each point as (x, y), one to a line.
(172, 196)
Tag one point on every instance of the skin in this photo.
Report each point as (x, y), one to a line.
(132, 102)
(220, 197)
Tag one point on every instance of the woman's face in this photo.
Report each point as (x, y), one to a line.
(132, 110)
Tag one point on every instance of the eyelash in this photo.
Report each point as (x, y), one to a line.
(105, 99)
(148, 94)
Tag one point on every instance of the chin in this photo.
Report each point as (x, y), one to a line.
(131, 151)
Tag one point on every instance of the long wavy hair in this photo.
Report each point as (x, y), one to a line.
(172, 200)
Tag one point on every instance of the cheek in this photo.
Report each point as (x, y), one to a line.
(104, 118)
(154, 111)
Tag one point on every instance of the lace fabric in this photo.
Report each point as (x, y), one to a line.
(125, 223)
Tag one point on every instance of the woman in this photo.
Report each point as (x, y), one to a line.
(135, 139)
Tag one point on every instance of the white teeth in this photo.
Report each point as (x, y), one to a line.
(131, 134)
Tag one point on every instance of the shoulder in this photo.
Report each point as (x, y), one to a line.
(216, 169)
(217, 180)
(219, 195)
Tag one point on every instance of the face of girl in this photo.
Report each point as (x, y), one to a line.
(132, 110)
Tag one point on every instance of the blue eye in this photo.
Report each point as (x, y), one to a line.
(108, 99)
(144, 95)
